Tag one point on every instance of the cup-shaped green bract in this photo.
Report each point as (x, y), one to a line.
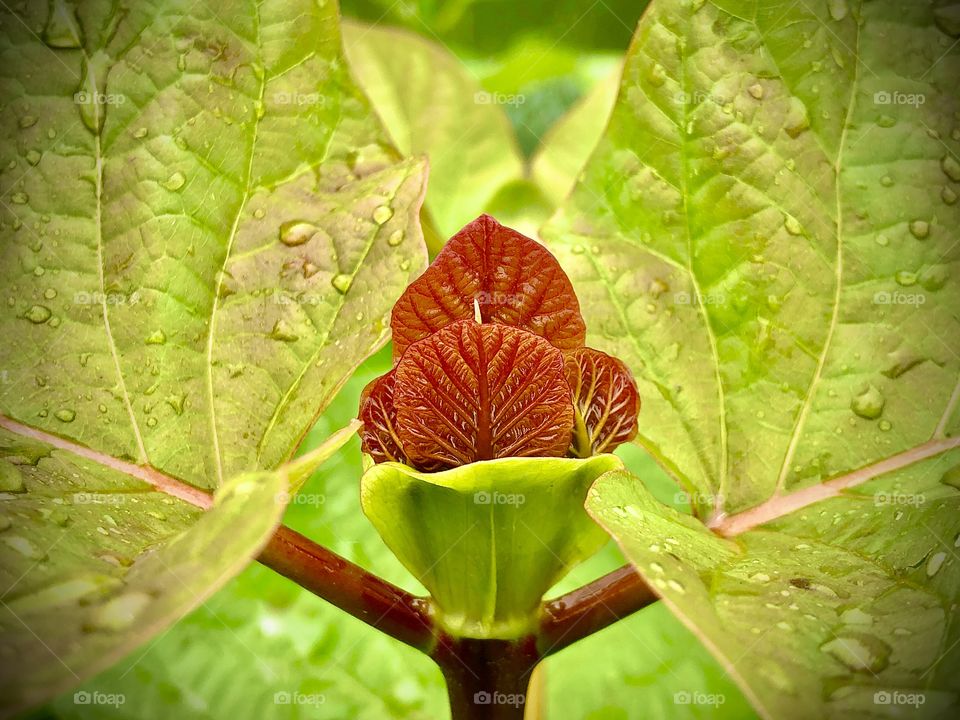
(490, 538)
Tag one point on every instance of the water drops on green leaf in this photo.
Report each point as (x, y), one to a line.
(869, 403)
(175, 181)
(38, 314)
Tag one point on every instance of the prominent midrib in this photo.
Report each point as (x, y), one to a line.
(834, 318)
(114, 354)
(781, 505)
(160, 481)
(211, 329)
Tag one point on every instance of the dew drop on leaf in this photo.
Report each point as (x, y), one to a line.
(859, 652)
(396, 237)
(882, 240)
(935, 563)
(920, 229)
(382, 214)
(342, 282)
(793, 225)
(950, 167)
(65, 415)
(119, 612)
(11, 479)
(140, 133)
(838, 9)
(23, 546)
(38, 314)
(157, 337)
(62, 29)
(283, 332)
(175, 182)
(297, 232)
(756, 91)
(20, 198)
(948, 196)
(868, 404)
(33, 157)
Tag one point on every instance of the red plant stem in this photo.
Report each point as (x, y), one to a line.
(591, 608)
(487, 679)
(351, 588)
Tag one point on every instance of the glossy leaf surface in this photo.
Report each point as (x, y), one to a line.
(514, 279)
(605, 401)
(476, 391)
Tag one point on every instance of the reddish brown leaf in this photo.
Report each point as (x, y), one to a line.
(515, 280)
(378, 435)
(477, 392)
(605, 400)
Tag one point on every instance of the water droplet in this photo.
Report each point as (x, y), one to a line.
(793, 225)
(905, 278)
(65, 415)
(838, 9)
(935, 563)
(759, 577)
(783, 625)
(38, 314)
(22, 546)
(948, 196)
(396, 237)
(657, 75)
(62, 29)
(886, 181)
(675, 586)
(856, 616)
(175, 182)
(157, 337)
(33, 157)
(283, 332)
(797, 120)
(657, 568)
(151, 421)
(382, 214)
(404, 265)
(951, 167)
(868, 404)
(20, 198)
(120, 612)
(11, 479)
(259, 213)
(882, 240)
(920, 229)
(756, 91)
(343, 282)
(886, 121)
(859, 652)
(176, 401)
(297, 232)
(885, 425)
(140, 133)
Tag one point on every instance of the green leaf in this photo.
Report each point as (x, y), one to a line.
(566, 148)
(205, 232)
(487, 539)
(765, 235)
(432, 105)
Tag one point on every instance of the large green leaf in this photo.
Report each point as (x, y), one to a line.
(431, 105)
(766, 234)
(203, 229)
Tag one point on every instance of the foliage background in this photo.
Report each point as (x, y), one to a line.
(263, 635)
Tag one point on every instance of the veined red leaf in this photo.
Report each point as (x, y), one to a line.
(475, 391)
(605, 401)
(378, 436)
(515, 281)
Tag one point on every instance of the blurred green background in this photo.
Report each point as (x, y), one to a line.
(262, 635)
